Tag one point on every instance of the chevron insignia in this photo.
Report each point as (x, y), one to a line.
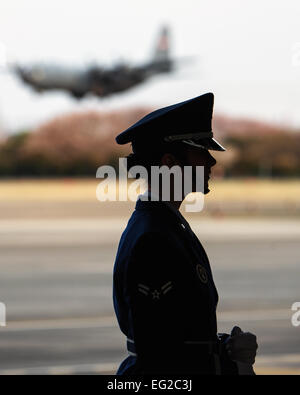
(143, 289)
(157, 293)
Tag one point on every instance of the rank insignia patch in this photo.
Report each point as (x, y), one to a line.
(155, 293)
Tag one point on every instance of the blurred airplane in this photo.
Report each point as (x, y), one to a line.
(95, 79)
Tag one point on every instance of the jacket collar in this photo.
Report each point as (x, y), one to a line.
(144, 204)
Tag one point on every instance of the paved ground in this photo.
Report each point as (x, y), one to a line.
(56, 284)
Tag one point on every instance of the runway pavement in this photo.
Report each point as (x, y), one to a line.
(56, 282)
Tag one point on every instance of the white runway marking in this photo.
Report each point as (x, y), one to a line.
(56, 324)
(87, 231)
(255, 315)
(278, 359)
(110, 368)
(111, 321)
(96, 368)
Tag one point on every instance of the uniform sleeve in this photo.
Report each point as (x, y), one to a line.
(155, 296)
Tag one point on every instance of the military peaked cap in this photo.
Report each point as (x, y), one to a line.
(188, 122)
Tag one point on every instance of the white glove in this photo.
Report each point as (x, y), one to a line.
(241, 347)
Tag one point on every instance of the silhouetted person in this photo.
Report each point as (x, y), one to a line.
(165, 298)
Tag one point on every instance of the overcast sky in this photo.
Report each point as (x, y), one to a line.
(248, 53)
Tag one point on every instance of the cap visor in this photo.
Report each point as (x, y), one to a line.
(215, 145)
(210, 144)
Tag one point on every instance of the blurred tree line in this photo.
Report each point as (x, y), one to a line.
(77, 144)
(265, 156)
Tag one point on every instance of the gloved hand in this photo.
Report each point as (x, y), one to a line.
(241, 346)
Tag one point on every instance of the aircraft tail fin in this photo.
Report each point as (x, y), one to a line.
(162, 49)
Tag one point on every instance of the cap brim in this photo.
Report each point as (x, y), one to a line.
(210, 144)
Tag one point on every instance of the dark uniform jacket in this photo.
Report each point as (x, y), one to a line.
(165, 298)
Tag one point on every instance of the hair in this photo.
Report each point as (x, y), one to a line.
(152, 157)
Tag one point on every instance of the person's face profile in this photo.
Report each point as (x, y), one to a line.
(196, 156)
(193, 156)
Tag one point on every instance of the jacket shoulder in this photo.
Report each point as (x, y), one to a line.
(144, 225)
(147, 233)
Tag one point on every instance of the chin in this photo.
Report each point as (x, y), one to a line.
(206, 188)
(205, 192)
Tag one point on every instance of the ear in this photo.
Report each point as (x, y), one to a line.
(169, 160)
